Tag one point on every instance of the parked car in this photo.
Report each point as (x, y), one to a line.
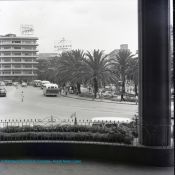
(37, 83)
(43, 83)
(8, 82)
(24, 84)
(107, 93)
(15, 83)
(3, 92)
(2, 83)
(109, 121)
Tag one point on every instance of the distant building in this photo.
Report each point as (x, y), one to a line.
(124, 46)
(115, 52)
(62, 45)
(46, 56)
(18, 57)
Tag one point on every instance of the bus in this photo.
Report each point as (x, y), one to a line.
(51, 90)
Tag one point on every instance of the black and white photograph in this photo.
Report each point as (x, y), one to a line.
(86, 87)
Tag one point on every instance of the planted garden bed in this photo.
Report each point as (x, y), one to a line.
(67, 132)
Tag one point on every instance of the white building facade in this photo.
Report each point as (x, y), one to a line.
(18, 58)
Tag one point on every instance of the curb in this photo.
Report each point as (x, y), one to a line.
(116, 102)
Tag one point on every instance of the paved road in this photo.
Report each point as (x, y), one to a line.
(35, 105)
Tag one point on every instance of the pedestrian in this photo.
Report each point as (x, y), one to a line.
(89, 90)
(136, 99)
(59, 90)
(66, 90)
(16, 86)
(100, 94)
(22, 96)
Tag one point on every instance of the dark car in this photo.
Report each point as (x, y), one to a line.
(3, 92)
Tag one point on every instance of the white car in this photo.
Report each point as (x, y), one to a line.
(15, 83)
(109, 121)
(107, 93)
(2, 83)
(43, 83)
(24, 84)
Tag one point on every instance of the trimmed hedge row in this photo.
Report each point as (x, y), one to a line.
(75, 136)
(68, 128)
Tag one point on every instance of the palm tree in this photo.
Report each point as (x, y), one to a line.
(43, 65)
(97, 69)
(121, 65)
(70, 67)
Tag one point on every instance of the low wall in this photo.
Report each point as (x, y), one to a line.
(81, 151)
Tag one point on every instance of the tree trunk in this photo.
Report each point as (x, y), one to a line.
(95, 87)
(123, 90)
(78, 88)
(135, 89)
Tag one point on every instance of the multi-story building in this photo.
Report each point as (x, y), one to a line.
(18, 58)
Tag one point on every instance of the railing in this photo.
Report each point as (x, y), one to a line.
(53, 128)
(23, 43)
(17, 74)
(20, 62)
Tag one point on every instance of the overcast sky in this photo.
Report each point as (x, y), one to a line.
(88, 24)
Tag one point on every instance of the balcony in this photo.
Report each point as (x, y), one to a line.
(19, 50)
(18, 44)
(5, 62)
(18, 62)
(5, 68)
(23, 68)
(17, 56)
(21, 74)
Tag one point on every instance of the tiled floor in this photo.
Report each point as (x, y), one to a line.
(83, 168)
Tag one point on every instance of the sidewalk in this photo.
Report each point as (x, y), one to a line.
(97, 99)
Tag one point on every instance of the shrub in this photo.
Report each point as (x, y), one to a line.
(77, 136)
(122, 133)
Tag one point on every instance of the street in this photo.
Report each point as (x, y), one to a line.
(30, 103)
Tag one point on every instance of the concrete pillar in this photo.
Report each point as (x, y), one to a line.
(154, 90)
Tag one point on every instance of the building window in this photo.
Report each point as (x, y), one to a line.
(7, 53)
(16, 72)
(17, 60)
(27, 48)
(27, 72)
(28, 42)
(27, 66)
(7, 72)
(17, 47)
(17, 66)
(7, 47)
(5, 41)
(28, 60)
(7, 60)
(17, 53)
(6, 66)
(16, 41)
